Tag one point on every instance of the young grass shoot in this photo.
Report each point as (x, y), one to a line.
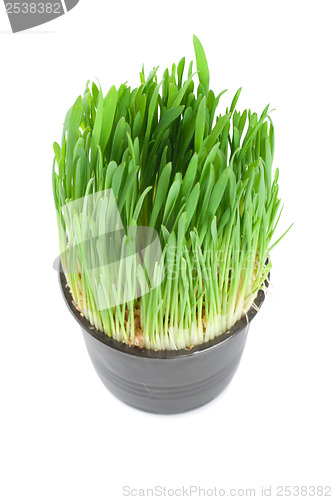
(160, 157)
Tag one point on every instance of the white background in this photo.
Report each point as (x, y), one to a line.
(63, 436)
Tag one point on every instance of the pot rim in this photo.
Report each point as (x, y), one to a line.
(239, 326)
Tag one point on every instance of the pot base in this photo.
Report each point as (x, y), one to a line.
(165, 382)
(165, 385)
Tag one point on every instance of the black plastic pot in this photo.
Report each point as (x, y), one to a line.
(165, 381)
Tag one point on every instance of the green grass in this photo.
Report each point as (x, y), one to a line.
(203, 181)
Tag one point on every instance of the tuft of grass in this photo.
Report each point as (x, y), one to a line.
(202, 180)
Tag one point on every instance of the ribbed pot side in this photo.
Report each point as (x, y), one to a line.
(165, 381)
